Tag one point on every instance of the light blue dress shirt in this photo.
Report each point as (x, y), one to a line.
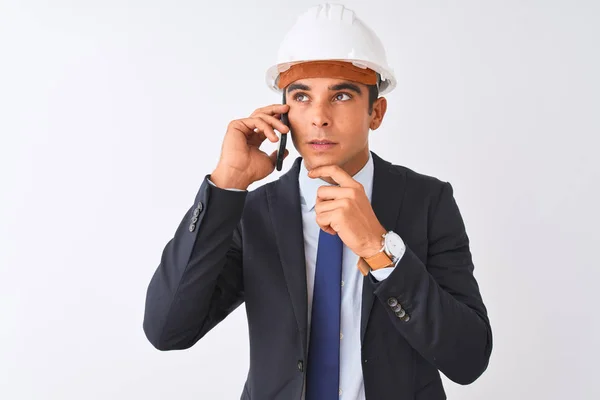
(351, 378)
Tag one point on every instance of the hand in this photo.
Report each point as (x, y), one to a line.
(242, 162)
(345, 210)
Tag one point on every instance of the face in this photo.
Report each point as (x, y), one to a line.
(330, 122)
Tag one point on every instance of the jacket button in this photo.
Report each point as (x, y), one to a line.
(300, 366)
(406, 318)
(196, 213)
(192, 227)
(392, 302)
(200, 206)
(401, 313)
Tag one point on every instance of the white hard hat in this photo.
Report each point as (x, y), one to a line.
(332, 32)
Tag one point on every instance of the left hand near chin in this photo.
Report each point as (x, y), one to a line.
(346, 210)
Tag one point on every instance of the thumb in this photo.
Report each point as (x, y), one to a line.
(273, 156)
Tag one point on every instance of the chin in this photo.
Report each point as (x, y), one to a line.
(319, 160)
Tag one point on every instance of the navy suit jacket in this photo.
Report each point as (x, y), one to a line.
(234, 247)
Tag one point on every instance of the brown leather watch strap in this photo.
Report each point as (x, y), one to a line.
(363, 267)
(378, 261)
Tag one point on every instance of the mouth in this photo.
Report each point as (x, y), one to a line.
(321, 145)
(321, 142)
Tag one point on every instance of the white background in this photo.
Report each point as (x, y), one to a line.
(112, 112)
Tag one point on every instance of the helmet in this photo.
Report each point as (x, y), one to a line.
(332, 32)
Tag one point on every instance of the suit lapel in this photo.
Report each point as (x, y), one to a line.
(284, 206)
(386, 200)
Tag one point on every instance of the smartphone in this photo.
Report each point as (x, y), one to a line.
(282, 139)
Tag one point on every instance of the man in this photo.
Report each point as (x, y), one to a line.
(356, 273)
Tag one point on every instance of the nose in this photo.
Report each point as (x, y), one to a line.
(321, 116)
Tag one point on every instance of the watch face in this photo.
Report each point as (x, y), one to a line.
(394, 244)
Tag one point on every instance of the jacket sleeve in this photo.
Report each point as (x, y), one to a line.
(199, 279)
(444, 318)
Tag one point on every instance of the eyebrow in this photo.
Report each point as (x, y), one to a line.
(339, 86)
(346, 86)
(297, 86)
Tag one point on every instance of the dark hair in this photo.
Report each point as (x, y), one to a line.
(373, 96)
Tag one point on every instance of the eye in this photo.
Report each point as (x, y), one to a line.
(301, 97)
(343, 97)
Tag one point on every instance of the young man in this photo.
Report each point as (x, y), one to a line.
(356, 273)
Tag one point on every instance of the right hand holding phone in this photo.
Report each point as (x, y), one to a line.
(242, 162)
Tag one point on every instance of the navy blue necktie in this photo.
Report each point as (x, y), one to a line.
(323, 370)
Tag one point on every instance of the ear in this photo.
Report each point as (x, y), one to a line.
(379, 109)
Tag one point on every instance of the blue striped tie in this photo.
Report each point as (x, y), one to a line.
(323, 370)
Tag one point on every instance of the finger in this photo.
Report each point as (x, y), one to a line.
(257, 138)
(259, 125)
(273, 156)
(329, 230)
(325, 193)
(330, 205)
(274, 122)
(245, 125)
(336, 173)
(326, 222)
(253, 136)
(272, 109)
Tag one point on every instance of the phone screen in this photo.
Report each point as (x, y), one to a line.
(283, 139)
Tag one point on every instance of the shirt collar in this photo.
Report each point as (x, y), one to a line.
(309, 186)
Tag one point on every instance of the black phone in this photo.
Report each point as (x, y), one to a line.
(282, 139)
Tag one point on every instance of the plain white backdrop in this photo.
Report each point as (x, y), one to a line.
(112, 112)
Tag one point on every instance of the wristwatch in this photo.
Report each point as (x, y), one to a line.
(392, 249)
